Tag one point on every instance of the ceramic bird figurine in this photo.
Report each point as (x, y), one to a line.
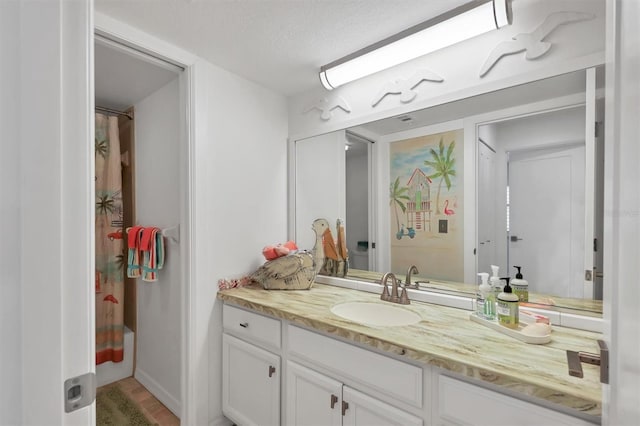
(320, 226)
(295, 271)
(404, 87)
(326, 106)
(533, 43)
(335, 253)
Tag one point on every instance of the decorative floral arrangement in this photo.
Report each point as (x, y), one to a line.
(225, 284)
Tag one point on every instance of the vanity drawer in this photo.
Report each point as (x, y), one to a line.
(251, 326)
(382, 374)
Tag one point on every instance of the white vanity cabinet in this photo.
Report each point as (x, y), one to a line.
(356, 387)
(315, 399)
(250, 374)
(271, 365)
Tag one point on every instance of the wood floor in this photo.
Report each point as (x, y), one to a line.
(153, 409)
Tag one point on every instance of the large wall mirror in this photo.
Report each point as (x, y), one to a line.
(511, 177)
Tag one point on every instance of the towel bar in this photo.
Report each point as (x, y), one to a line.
(172, 233)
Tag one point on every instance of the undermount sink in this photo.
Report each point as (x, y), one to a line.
(372, 313)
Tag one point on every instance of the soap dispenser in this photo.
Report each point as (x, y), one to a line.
(520, 286)
(507, 307)
(494, 281)
(486, 301)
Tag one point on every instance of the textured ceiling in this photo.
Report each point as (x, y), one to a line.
(279, 44)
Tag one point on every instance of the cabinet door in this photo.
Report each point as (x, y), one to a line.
(312, 398)
(362, 410)
(461, 403)
(250, 383)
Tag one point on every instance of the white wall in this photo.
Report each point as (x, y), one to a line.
(157, 178)
(565, 125)
(240, 181)
(10, 306)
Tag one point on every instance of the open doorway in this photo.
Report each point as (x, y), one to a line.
(139, 322)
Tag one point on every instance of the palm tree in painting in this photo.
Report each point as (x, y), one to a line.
(105, 204)
(397, 197)
(444, 166)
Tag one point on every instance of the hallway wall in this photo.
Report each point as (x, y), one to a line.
(158, 188)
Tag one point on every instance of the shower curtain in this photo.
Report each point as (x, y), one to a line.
(110, 242)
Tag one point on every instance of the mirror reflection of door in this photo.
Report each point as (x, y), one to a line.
(319, 185)
(537, 165)
(357, 208)
(486, 249)
(546, 217)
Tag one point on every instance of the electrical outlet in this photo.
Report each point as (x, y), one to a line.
(443, 225)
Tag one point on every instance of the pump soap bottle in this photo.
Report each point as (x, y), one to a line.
(507, 307)
(494, 281)
(486, 301)
(520, 286)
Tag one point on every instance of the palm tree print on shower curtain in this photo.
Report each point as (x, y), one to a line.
(444, 166)
(109, 242)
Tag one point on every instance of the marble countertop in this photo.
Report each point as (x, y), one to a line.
(445, 338)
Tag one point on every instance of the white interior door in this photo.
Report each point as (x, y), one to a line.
(486, 247)
(57, 205)
(546, 217)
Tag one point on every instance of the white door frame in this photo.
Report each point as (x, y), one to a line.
(138, 40)
(621, 219)
(589, 182)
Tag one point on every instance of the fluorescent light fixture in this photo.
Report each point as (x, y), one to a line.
(462, 23)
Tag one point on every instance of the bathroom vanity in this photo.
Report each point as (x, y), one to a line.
(287, 359)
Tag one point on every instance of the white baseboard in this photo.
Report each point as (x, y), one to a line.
(159, 392)
(220, 421)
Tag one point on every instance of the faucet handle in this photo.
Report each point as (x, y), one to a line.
(385, 292)
(404, 297)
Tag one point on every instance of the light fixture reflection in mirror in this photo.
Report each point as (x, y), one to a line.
(507, 112)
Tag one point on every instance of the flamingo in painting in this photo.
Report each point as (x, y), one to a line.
(447, 210)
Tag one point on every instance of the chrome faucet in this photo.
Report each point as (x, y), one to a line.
(403, 299)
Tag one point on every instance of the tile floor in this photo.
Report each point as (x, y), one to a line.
(153, 409)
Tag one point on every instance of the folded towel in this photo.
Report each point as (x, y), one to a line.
(152, 245)
(134, 237)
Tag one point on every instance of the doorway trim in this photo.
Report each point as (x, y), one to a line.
(147, 45)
